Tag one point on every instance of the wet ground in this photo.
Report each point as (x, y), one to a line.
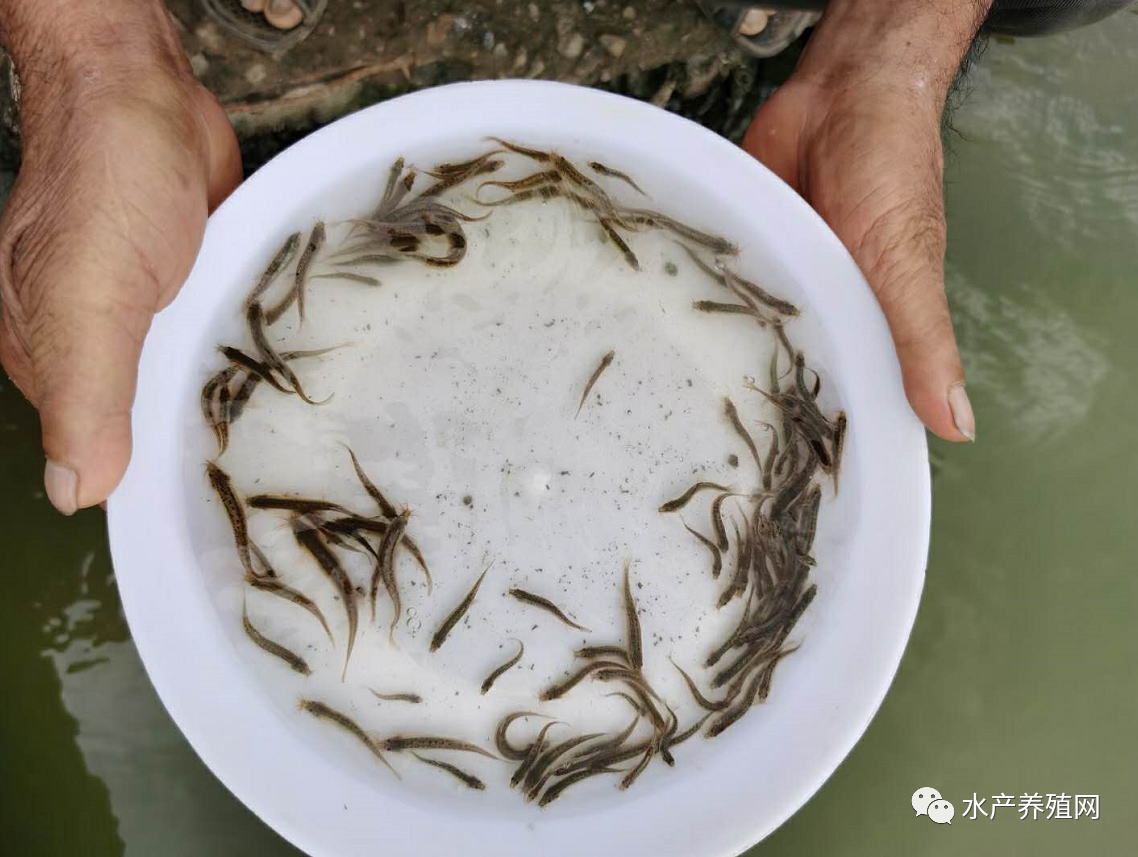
(363, 51)
(1020, 674)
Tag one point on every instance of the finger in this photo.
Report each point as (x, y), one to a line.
(902, 256)
(77, 366)
(77, 380)
(85, 358)
(882, 196)
(79, 299)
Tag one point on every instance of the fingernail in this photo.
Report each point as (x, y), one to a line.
(962, 410)
(62, 486)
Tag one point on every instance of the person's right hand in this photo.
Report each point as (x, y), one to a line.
(856, 131)
(123, 157)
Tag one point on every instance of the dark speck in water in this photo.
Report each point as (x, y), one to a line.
(733, 460)
(467, 500)
(670, 269)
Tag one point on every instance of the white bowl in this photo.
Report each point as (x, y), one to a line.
(872, 542)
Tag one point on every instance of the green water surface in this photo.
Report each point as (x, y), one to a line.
(1020, 675)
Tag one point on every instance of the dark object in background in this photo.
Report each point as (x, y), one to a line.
(1040, 17)
(1008, 17)
(233, 17)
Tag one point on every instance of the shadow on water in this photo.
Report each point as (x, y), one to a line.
(46, 568)
(92, 764)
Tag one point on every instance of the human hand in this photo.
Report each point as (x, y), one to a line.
(856, 131)
(124, 155)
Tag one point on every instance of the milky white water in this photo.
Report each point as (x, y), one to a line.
(457, 388)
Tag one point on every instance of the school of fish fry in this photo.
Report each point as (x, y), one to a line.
(515, 479)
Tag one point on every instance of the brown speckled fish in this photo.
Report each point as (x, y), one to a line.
(295, 661)
(456, 614)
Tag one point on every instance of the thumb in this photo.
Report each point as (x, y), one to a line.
(85, 391)
(902, 256)
(72, 332)
(872, 167)
(79, 295)
(99, 234)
